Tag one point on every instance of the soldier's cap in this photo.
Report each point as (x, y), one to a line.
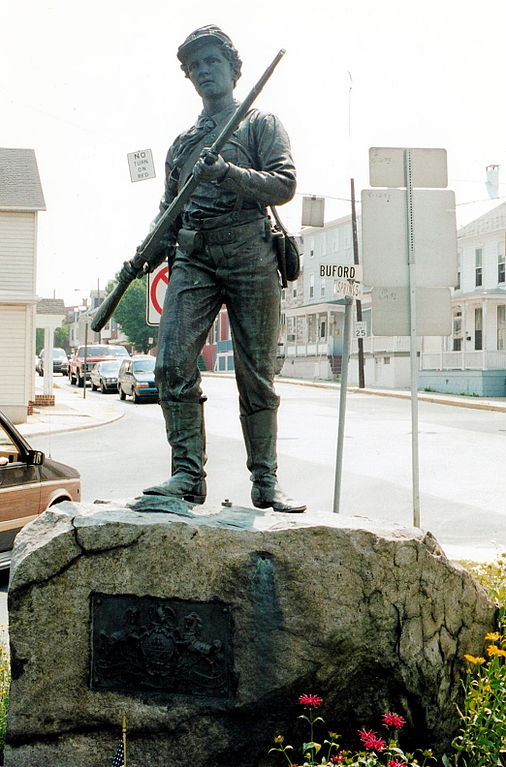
(208, 34)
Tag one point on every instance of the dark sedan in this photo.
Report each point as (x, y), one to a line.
(104, 375)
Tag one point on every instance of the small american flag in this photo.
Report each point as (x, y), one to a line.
(119, 756)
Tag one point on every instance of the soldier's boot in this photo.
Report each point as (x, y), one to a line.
(260, 433)
(184, 422)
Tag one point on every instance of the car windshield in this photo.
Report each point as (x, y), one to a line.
(57, 354)
(94, 351)
(119, 351)
(144, 366)
(109, 367)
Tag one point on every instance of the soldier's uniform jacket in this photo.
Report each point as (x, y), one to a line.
(261, 173)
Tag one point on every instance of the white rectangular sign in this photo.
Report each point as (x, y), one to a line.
(390, 311)
(360, 329)
(341, 271)
(387, 167)
(385, 237)
(141, 165)
(348, 289)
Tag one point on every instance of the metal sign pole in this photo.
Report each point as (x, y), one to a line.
(413, 339)
(85, 363)
(361, 377)
(348, 304)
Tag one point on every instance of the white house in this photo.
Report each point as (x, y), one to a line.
(21, 199)
(312, 315)
(473, 359)
(313, 318)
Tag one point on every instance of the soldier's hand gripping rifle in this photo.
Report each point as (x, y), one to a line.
(147, 256)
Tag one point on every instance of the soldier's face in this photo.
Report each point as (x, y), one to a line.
(210, 72)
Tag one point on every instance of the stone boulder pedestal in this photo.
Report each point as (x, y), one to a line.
(203, 626)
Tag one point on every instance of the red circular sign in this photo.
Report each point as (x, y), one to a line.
(159, 285)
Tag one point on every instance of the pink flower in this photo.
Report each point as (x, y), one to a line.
(394, 720)
(337, 759)
(376, 744)
(313, 701)
(371, 740)
(367, 735)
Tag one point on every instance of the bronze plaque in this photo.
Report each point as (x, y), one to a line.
(161, 648)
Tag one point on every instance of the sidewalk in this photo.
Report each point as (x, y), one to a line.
(73, 411)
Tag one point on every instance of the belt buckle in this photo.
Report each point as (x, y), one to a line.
(221, 237)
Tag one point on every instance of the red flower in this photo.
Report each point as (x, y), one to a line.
(371, 741)
(313, 701)
(367, 735)
(396, 763)
(376, 744)
(394, 720)
(337, 759)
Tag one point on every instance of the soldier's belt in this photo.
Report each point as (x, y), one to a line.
(191, 240)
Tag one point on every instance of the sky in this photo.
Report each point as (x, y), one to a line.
(84, 84)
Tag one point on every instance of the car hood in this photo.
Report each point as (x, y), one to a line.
(149, 376)
(51, 469)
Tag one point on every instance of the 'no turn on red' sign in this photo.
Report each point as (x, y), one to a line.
(158, 280)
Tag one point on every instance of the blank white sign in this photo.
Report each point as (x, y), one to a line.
(390, 312)
(387, 167)
(385, 238)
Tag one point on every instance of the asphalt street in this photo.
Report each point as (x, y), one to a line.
(461, 458)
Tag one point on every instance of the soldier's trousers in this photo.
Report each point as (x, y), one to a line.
(243, 276)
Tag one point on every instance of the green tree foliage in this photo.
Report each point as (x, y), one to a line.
(131, 315)
(60, 339)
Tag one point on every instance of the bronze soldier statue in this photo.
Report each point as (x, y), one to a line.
(221, 251)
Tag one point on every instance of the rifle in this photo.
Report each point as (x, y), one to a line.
(147, 254)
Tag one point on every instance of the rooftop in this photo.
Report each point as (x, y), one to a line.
(20, 187)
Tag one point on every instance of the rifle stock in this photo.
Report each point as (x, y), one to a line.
(145, 259)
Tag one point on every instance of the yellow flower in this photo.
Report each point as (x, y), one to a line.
(492, 649)
(472, 659)
(493, 636)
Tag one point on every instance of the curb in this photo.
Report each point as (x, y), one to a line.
(438, 398)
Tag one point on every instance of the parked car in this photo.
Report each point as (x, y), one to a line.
(104, 375)
(60, 362)
(30, 483)
(136, 378)
(118, 351)
(93, 353)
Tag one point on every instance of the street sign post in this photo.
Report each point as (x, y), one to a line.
(347, 285)
(410, 256)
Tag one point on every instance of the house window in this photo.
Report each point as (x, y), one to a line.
(323, 329)
(501, 327)
(459, 269)
(457, 330)
(478, 328)
(322, 288)
(501, 273)
(478, 267)
(311, 286)
(294, 292)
